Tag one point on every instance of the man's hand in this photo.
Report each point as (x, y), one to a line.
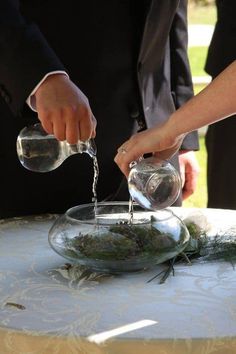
(189, 171)
(64, 110)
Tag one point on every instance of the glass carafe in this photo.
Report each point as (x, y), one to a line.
(153, 183)
(42, 152)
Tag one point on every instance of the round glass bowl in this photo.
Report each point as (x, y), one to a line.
(114, 242)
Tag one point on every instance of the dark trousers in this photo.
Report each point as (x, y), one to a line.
(221, 164)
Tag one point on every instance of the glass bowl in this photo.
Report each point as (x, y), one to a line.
(114, 242)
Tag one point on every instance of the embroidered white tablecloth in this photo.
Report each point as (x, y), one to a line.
(193, 312)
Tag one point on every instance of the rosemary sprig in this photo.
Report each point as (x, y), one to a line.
(120, 242)
(203, 248)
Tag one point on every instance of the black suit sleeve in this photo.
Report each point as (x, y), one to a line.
(25, 56)
(222, 49)
(181, 79)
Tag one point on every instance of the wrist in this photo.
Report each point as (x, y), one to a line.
(174, 133)
(31, 100)
(51, 78)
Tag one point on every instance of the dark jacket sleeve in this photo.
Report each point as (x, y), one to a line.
(181, 79)
(222, 49)
(25, 56)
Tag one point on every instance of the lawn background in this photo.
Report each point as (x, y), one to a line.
(197, 55)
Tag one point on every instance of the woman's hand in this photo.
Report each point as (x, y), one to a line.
(157, 140)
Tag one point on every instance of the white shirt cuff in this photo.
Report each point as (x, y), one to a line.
(31, 99)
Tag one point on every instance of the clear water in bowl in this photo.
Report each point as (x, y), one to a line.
(110, 243)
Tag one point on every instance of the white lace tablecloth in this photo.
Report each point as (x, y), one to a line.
(193, 312)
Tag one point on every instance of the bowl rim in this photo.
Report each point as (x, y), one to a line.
(147, 212)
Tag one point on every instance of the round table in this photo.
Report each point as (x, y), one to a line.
(47, 306)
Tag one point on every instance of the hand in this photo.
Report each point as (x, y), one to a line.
(189, 171)
(155, 140)
(64, 110)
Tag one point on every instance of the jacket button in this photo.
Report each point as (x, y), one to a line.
(134, 113)
(4, 94)
(7, 98)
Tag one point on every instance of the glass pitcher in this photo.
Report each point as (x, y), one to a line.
(42, 152)
(153, 183)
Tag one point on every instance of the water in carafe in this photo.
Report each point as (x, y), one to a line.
(42, 152)
(153, 183)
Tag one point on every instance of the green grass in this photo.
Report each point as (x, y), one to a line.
(198, 88)
(205, 15)
(199, 198)
(197, 58)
